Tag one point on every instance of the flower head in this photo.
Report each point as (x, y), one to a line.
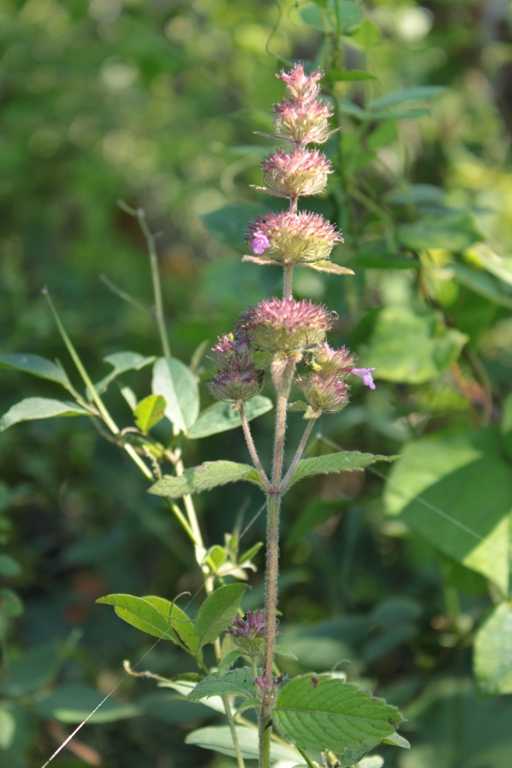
(328, 360)
(236, 379)
(293, 238)
(301, 172)
(285, 325)
(300, 86)
(302, 123)
(326, 393)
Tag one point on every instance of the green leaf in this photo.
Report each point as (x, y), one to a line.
(348, 13)
(37, 366)
(32, 671)
(344, 461)
(349, 108)
(493, 652)
(74, 703)
(313, 514)
(349, 75)
(169, 708)
(203, 478)
(217, 611)
(17, 729)
(175, 382)
(366, 35)
(219, 740)
(228, 225)
(456, 491)
(377, 255)
(395, 740)
(405, 95)
(451, 231)
(155, 616)
(9, 566)
(416, 194)
(185, 687)
(238, 682)
(33, 408)
(149, 412)
(325, 713)
(506, 425)
(220, 417)
(483, 283)
(281, 650)
(408, 347)
(483, 257)
(10, 603)
(318, 18)
(228, 661)
(122, 362)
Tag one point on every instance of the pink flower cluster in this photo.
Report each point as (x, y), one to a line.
(237, 379)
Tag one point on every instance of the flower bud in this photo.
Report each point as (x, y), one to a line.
(326, 393)
(300, 86)
(292, 238)
(303, 172)
(249, 633)
(285, 325)
(236, 379)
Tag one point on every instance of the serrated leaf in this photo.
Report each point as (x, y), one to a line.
(217, 611)
(74, 703)
(282, 650)
(395, 740)
(219, 740)
(344, 461)
(149, 412)
(220, 417)
(228, 661)
(155, 616)
(37, 366)
(405, 95)
(33, 408)
(175, 382)
(238, 682)
(493, 652)
(203, 478)
(325, 713)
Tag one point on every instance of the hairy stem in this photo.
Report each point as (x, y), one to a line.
(300, 450)
(287, 288)
(252, 448)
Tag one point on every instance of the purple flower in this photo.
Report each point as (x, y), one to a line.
(260, 242)
(366, 375)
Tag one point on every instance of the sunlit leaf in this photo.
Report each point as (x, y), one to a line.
(493, 652)
(33, 408)
(203, 478)
(221, 417)
(175, 382)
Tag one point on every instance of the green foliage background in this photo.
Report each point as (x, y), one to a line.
(156, 103)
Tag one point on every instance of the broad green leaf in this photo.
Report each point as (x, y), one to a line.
(483, 283)
(318, 18)
(416, 194)
(167, 707)
(451, 231)
(281, 650)
(17, 728)
(377, 255)
(34, 408)
(219, 740)
(185, 687)
(366, 35)
(484, 257)
(493, 652)
(32, 671)
(348, 14)
(220, 417)
(228, 661)
(456, 491)
(395, 740)
(325, 713)
(174, 381)
(37, 366)
(122, 362)
(228, 225)
(203, 478)
(73, 703)
(149, 412)
(156, 616)
(238, 682)
(408, 347)
(9, 566)
(344, 461)
(349, 75)
(10, 603)
(217, 611)
(405, 95)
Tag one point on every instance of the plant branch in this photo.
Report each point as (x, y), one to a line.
(298, 455)
(252, 448)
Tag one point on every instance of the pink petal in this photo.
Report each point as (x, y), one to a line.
(366, 375)
(260, 243)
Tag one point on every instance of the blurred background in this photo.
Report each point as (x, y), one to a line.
(155, 102)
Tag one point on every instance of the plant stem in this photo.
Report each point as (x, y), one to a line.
(252, 448)
(140, 214)
(107, 418)
(287, 288)
(298, 455)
